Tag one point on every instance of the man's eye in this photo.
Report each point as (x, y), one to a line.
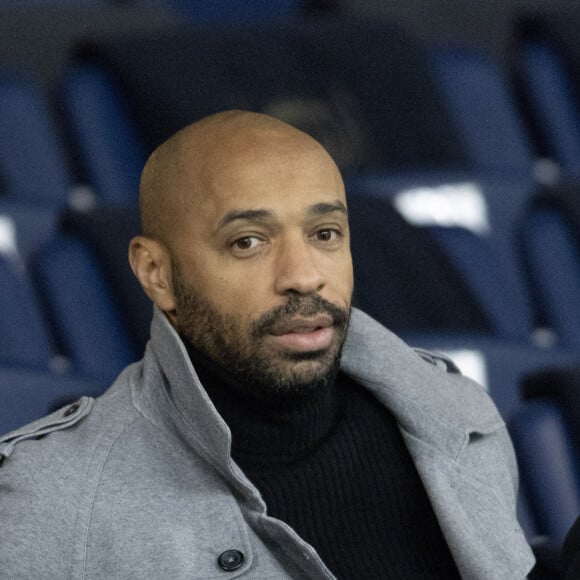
(247, 243)
(327, 235)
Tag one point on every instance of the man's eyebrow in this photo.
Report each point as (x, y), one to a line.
(246, 214)
(320, 209)
(317, 209)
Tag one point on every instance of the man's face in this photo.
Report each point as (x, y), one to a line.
(262, 270)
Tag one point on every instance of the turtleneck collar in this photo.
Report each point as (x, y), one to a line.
(269, 430)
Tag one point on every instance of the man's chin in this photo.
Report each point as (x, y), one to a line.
(316, 357)
(304, 372)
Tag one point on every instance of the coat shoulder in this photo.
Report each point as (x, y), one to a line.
(59, 420)
(438, 360)
(44, 483)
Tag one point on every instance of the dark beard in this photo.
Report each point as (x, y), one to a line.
(245, 357)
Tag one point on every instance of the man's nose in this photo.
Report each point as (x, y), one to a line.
(297, 269)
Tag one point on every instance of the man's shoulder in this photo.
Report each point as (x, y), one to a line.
(37, 432)
(76, 425)
(415, 382)
(45, 476)
(377, 346)
(55, 446)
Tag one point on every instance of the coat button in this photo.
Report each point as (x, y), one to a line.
(72, 409)
(230, 560)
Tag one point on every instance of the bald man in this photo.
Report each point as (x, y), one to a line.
(270, 431)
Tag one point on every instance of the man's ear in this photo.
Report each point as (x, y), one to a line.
(151, 264)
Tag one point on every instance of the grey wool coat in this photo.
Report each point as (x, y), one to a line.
(140, 484)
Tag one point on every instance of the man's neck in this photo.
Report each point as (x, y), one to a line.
(279, 427)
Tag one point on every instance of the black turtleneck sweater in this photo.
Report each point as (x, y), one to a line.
(332, 464)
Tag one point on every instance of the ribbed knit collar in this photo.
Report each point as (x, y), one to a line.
(269, 431)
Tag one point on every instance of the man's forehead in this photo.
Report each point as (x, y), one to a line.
(278, 181)
(268, 214)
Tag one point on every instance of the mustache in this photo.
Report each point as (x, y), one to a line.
(301, 306)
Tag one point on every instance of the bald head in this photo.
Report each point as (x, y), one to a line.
(179, 174)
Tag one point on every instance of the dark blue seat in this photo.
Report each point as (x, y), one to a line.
(33, 165)
(474, 220)
(25, 334)
(25, 337)
(483, 109)
(548, 466)
(107, 232)
(110, 149)
(83, 313)
(25, 227)
(550, 238)
(500, 294)
(548, 93)
(547, 66)
(553, 259)
(392, 258)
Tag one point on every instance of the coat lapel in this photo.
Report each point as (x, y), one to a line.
(459, 444)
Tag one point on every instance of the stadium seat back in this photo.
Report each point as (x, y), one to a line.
(548, 466)
(110, 151)
(82, 310)
(484, 109)
(33, 166)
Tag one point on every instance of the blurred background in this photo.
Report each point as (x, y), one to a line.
(457, 128)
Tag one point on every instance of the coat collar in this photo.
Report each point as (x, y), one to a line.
(442, 409)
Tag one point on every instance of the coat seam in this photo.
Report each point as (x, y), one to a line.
(95, 490)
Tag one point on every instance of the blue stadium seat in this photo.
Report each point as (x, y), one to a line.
(109, 147)
(107, 231)
(82, 310)
(548, 466)
(550, 242)
(33, 165)
(391, 257)
(547, 67)
(474, 218)
(553, 260)
(499, 293)
(483, 109)
(25, 335)
(548, 93)
(28, 395)
(491, 202)
(25, 227)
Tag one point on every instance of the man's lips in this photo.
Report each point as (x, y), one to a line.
(304, 334)
(301, 325)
